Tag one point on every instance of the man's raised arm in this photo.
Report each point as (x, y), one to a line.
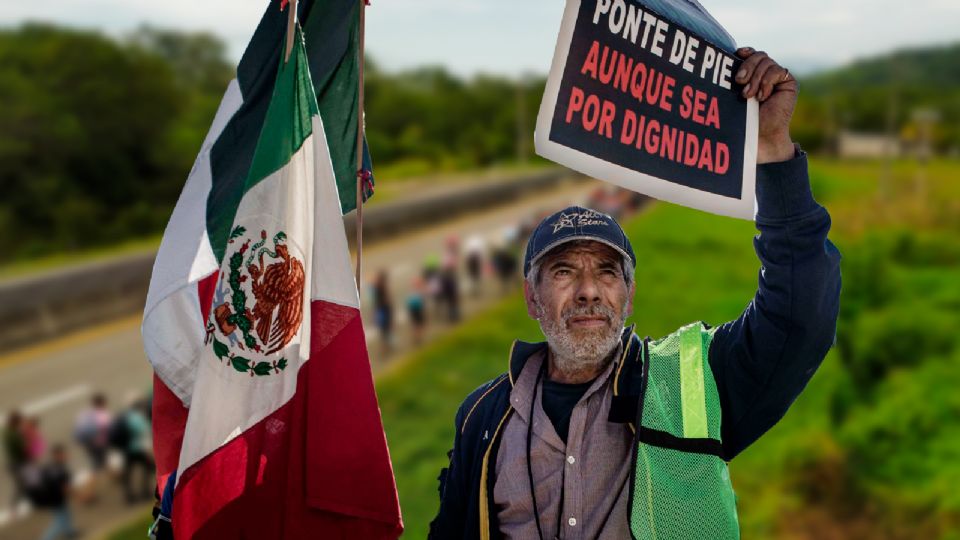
(763, 360)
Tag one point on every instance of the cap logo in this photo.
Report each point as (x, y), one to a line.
(579, 219)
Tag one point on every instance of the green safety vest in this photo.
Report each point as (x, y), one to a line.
(681, 485)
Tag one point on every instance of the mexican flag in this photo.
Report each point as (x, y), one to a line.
(264, 402)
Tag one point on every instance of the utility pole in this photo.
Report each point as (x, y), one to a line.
(893, 111)
(925, 120)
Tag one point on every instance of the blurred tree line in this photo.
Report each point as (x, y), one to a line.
(884, 95)
(97, 135)
(429, 117)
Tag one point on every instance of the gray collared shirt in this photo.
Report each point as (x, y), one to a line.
(592, 470)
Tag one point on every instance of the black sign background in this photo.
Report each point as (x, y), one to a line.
(732, 107)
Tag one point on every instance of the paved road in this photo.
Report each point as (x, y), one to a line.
(55, 380)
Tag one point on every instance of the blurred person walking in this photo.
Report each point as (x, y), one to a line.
(33, 437)
(54, 494)
(475, 248)
(91, 431)
(505, 266)
(450, 294)
(17, 455)
(383, 311)
(416, 309)
(449, 279)
(130, 433)
(433, 283)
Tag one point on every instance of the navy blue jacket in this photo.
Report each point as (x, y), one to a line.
(761, 361)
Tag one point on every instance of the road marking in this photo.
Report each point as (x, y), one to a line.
(56, 399)
(53, 400)
(69, 341)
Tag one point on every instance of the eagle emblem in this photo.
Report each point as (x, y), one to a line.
(275, 280)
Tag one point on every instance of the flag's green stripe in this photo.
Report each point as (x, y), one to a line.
(232, 153)
(332, 30)
(289, 117)
(288, 122)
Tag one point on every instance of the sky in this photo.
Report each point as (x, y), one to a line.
(514, 37)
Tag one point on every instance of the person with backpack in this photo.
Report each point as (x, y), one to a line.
(130, 435)
(91, 432)
(51, 490)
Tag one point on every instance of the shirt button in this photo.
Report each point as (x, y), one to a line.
(572, 522)
(571, 460)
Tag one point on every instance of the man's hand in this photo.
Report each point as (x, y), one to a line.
(776, 90)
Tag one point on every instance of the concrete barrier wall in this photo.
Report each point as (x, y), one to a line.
(42, 307)
(381, 222)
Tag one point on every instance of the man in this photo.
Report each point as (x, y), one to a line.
(599, 434)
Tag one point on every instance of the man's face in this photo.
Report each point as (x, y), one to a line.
(581, 300)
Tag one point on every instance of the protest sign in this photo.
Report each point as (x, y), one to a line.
(638, 100)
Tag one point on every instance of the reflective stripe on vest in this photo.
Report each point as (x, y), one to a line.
(692, 393)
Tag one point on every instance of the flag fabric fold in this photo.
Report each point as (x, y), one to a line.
(264, 402)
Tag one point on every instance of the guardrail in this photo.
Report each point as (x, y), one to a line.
(45, 306)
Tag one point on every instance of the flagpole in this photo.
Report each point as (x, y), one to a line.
(360, 172)
(291, 27)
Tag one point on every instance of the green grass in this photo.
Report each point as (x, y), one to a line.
(135, 530)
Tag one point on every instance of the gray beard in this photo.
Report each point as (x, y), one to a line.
(584, 351)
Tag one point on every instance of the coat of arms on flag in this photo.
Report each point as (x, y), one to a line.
(264, 406)
(257, 308)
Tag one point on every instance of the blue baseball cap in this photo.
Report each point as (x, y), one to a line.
(576, 223)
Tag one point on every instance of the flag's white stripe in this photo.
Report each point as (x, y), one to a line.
(229, 404)
(333, 279)
(172, 326)
(225, 402)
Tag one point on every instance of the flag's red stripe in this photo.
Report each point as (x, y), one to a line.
(169, 420)
(351, 472)
(169, 414)
(262, 484)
